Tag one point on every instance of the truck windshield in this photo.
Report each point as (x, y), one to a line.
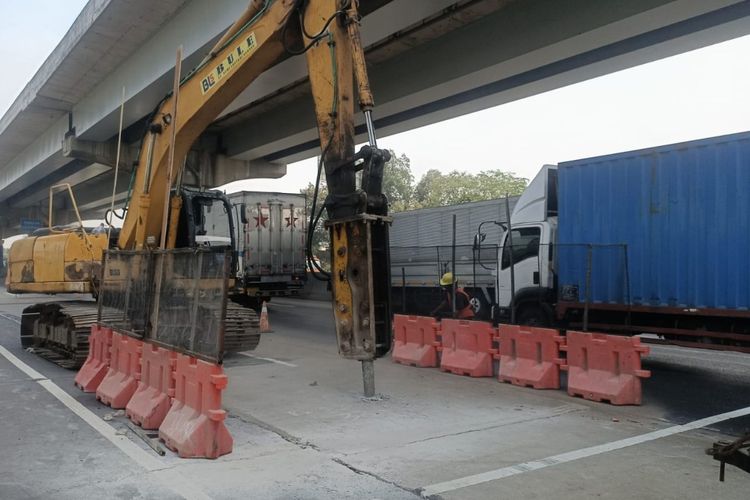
(213, 227)
(525, 245)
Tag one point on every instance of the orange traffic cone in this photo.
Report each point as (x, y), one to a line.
(264, 327)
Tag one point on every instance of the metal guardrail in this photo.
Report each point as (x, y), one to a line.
(593, 273)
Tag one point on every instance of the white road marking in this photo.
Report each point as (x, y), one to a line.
(169, 478)
(570, 456)
(271, 360)
(10, 318)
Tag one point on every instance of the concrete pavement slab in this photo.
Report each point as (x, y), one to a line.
(303, 430)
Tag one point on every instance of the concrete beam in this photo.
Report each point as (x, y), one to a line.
(220, 170)
(521, 49)
(429, 60)
(74, 173)
(62, 213)
(94, 196)
(96, 208)
(99, 152)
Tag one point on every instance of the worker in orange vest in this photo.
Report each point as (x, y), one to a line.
(463, 300)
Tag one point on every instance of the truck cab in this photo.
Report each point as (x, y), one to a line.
(526, 276)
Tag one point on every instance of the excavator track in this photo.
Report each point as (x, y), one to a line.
(241, 329)
(59, 331)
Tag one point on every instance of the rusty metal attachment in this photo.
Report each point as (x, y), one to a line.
(735, 453)
(360, 266)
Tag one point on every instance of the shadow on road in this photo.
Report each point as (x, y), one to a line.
(692, 392)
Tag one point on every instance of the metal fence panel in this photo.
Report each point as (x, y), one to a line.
(174, 298)
(125, 294)
(423, 266)
(190, 302)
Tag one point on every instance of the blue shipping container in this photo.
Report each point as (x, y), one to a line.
(665, 227)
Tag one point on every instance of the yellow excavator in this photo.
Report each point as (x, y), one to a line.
(164, 214)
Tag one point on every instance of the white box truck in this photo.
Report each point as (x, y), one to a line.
(272, 229)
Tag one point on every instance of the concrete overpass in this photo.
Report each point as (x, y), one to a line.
(429, 60)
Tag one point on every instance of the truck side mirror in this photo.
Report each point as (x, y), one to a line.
(478, 239)
(243, 213)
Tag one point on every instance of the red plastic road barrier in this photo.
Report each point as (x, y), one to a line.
(466, 347)
(95, 368)
(194, 426)
(415, 340)
(530, 356)
(151, 400)
(121, 380)
(605, 367)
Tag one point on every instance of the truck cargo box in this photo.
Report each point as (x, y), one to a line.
(666, 227)
(421, 243)
(421, 251)
(272, 243)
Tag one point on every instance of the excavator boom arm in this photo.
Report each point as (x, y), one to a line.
(327, 32)
(240, 57)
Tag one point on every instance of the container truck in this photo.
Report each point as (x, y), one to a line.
(422, 250)
(649, 241)
(270, 245)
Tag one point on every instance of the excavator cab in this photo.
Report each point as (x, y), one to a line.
(205, 220)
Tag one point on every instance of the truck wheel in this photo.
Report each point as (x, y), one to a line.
(476, 305)
(532, 315)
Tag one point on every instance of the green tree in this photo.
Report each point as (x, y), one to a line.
(398, 182)
(426, 189)
(320, 239)
(436, 189)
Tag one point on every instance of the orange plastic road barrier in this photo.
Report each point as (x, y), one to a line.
(530, 356)
(466, 347)
(121, 380)
(605, 367)
(152, 399)
(415, 340)
(95, 368)
(264, 326)
(194, 426)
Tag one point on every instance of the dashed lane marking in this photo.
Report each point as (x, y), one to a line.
(10, 318)
(270, 360)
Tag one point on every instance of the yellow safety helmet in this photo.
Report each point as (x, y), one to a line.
(447, 279)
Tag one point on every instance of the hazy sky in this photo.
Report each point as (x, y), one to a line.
(694, 95)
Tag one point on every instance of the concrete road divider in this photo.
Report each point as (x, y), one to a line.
(415, 340)
(605, 367)
(466, 347)
(95, 368)
(152, 399)
(530, 356)
(194, 426)
(121, 380)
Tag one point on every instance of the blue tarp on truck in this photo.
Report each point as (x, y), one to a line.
(663, 227)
